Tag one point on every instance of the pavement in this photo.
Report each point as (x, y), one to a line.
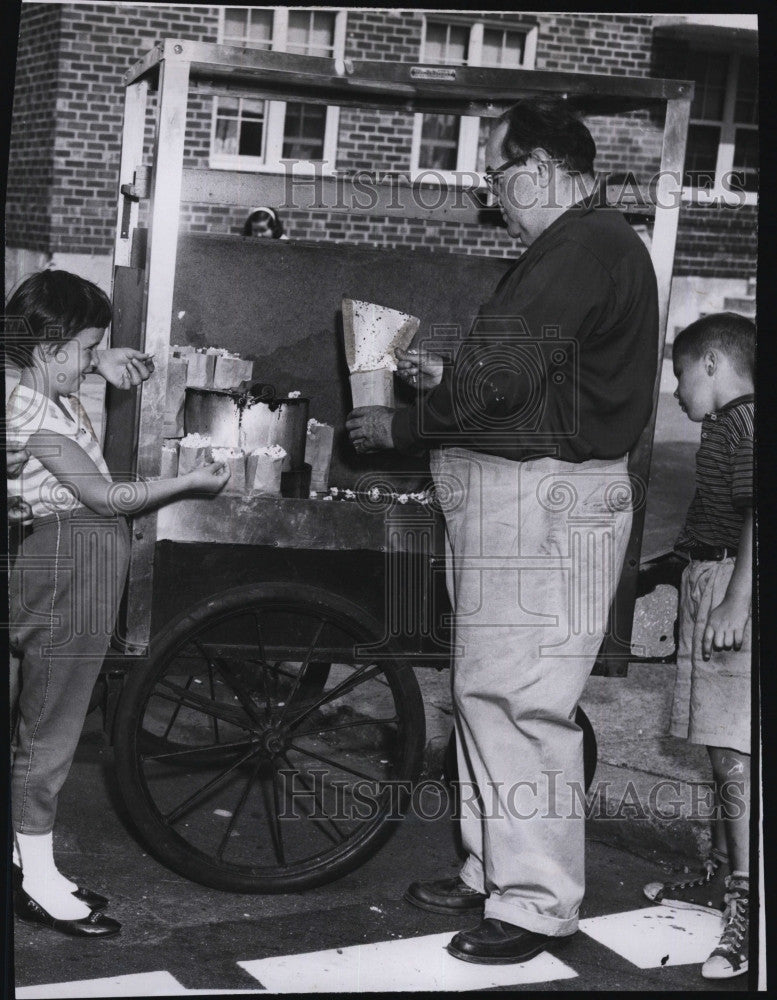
(355, 934)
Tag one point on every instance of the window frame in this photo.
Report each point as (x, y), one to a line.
(272, 161)
(728, 125)
(469, 130)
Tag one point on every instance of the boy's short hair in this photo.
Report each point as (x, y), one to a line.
(51, 306)
(727, 332)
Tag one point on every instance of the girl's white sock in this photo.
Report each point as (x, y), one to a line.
(43, 882)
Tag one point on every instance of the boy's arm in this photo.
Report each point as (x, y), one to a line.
(726, 623)
(77, 473)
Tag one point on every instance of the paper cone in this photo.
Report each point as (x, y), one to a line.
(373, 388)
(177, 375)
(230, 372)
(169, 465)
(235, 460)
(373, 333)
(318, 453)
(193, 455)
(263, 470)
(200, 371)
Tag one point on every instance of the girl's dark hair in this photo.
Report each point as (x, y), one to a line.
(52, 306)
(549, 124)
(276, 226)
(727, 332)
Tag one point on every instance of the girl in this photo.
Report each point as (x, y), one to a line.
(68, 575)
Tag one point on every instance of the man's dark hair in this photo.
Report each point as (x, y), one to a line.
(727, 332)
(550, 125)
(52, 306)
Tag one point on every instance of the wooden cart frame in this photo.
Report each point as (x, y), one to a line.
(146, 260)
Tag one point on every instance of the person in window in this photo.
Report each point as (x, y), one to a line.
(264, 223)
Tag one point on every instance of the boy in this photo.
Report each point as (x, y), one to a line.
(714, 362)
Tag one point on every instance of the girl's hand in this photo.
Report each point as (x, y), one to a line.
(15, 460)
(209, 479)
(19, 511)
(123, 367)
(419, 368)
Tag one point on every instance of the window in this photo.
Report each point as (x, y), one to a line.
(257, 135)
(722, 151)
(446, 143)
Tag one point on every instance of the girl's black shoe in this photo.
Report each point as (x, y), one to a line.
(95, 925)
(93, 899)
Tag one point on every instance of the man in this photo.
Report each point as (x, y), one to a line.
(531, 427)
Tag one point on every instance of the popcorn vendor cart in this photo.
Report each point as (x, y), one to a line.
(261, 694)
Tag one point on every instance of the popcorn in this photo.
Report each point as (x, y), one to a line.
(194, 452)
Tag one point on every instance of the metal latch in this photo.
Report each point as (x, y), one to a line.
(139, 188)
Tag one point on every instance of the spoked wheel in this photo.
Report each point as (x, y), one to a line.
(260, 749)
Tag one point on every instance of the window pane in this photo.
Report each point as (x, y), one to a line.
(225, 140)
(709, 71)
(446, 44)
(251, 132)
(746, 159)
(458, 42)
(701, 156)
(439, 142)
(260, 29)
(502, 48)
(311, 34)
(747, 92)
(303, 135)
(235, 20)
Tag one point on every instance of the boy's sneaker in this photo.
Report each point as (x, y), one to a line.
(729, 959)
(701, 891)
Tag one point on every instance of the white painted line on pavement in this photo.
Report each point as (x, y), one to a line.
(409, 964)
(141, 984)
(657, 935)
(150, 984)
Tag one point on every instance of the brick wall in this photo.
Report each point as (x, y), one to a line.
(37, 108)
(61, 194)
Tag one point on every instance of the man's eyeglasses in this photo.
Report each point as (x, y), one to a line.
(493, 175)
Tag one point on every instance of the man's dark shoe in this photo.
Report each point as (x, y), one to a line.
(494, 942)
(445, 895)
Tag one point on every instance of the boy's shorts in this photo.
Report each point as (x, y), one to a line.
(711, 697)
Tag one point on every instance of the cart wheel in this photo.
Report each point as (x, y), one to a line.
(259, 749)
(451, 767)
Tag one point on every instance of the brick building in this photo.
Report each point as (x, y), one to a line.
(67, 119)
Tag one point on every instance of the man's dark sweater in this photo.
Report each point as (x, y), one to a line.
(561, 360)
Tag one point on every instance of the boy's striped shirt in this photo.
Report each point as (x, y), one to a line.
(724, 477)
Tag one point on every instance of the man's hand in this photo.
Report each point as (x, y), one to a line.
(419, 368)
(370, 428)
(123, 367)
(725, 627)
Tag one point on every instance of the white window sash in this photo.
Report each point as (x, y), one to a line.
(469, 127)
(275, 115)
(724, 164)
